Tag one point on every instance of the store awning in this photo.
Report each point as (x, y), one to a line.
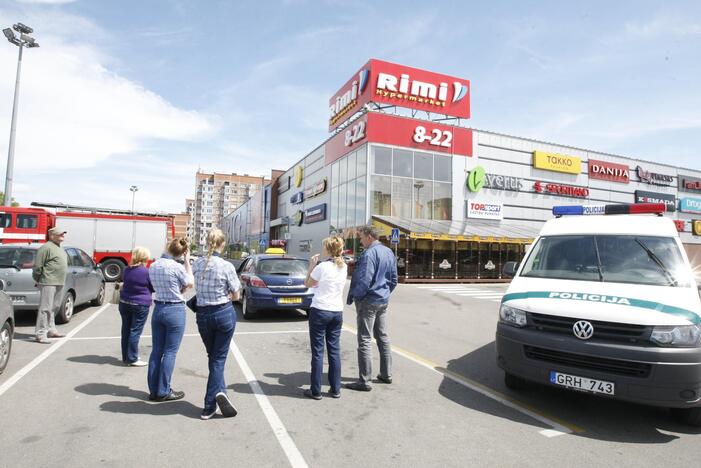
(468, 230)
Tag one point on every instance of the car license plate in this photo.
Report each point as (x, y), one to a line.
(582, 383)
(289, 300)
(18, 298)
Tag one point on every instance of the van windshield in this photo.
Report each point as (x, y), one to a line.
(609, 258)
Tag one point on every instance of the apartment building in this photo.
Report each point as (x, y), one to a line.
(216, 195)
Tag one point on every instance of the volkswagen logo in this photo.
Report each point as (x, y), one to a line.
(583, 330)
(289, 281)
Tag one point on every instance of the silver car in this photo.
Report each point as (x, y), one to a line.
(7, 329)
(84, 280)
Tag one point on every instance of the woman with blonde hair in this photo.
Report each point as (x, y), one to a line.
(170, 279)
(326, 315)
(134, 303)
(217, 285)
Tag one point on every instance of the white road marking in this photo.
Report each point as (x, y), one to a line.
(294, 456)
(48, 352)
(186, 335)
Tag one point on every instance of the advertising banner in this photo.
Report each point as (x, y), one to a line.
(696, 227)
(478, 179)
(653, 178)
(669, 200)
(560, 189)
(315, 214)
(390, 83)
(608, 171)
(485, 210)
(297, 198)
(316, 189)
(690, 205)
(689, 184)
(400, 131)
(557, 162)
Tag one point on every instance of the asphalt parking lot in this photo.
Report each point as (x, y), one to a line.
(73, 403)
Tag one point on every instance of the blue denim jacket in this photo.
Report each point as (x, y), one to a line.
(375, 276)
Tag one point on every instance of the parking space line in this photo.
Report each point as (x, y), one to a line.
(52, 349)
(186, 335)
(294, 456)
(558, 427)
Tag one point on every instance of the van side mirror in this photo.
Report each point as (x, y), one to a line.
(509, 269)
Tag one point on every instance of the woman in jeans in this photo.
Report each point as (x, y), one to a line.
(326, 315)
(134, 302)
(169, 279)
(217, 285)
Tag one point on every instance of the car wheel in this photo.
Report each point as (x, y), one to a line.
(688, 416)
(246, 309)
(514, 382)
(6, 333)
(112, 270)
(66, 311)
(100, 296)
(306, 313)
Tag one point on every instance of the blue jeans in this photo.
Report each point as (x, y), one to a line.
(216, 325)
(133, 320)
(325, 325)
(167, 329)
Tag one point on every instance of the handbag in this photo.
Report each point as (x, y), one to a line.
(116, 293)
(192, 303)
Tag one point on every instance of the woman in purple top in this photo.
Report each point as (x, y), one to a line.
(134, 302)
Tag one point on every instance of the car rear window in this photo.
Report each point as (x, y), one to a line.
(282, 266)
(20, 258)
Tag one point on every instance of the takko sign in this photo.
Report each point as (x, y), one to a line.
(556, 162)
(559, 189)
(608, 171)
(390, 83)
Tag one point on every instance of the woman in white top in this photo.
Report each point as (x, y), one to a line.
(326, 315)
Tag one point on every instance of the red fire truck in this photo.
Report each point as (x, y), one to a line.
(108, 235)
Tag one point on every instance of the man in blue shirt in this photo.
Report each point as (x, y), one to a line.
(374, 279)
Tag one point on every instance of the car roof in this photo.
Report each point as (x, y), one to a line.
(276, 256)
(637, 224)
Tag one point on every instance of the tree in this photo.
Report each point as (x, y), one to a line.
(2, 200)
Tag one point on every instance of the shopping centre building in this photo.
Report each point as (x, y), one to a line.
(402, 157)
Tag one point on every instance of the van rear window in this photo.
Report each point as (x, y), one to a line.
(609, 258)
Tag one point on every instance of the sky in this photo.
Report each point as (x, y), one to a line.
(144, 93)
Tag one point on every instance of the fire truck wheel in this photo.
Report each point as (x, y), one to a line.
(100, 296)
(66, 311)
(112, 270)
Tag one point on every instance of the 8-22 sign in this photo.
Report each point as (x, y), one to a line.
(436, 137)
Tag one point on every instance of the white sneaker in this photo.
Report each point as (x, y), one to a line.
(138, 363)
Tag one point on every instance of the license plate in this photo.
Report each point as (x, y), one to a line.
(582, 383)
(18, 298)
(289, 300)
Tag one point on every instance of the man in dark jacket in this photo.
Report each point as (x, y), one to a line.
(374, 279)
(49, 272)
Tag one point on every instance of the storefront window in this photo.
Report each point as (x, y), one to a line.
(444, 255)
(343, 170)
(442, 203)
(467, 259)
(362, 162)
(420, 259)
(382, 160)
(423, 165)
(423, 197)
(360, 218)
(491, 260)
(334, 207)
(402, 165)
(381, 195)
(342, 206)
(334, 174)
(443, 168)
(402, 197)
(351, 166)
(350, 204)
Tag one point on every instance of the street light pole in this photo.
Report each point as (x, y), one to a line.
(133, 189)
(24, 40)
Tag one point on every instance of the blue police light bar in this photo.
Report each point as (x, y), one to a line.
(620, 208)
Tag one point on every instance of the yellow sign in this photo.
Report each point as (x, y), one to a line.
(299, 176)
(557, 162)
(696, 227)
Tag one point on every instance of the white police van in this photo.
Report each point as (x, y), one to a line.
(606, 304)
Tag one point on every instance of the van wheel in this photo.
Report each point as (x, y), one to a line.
(514, 382)
(247, 311)
(5, 344)
(688, 416)
(66, 311)
(113, 269)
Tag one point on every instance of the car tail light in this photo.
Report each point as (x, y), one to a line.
(257, 282)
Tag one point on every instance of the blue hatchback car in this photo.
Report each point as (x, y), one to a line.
(274, 282)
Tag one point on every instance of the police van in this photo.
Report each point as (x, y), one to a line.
(605, 302)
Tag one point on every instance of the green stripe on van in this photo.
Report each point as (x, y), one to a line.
(689, 315)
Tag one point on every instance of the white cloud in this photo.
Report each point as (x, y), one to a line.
(48, 2)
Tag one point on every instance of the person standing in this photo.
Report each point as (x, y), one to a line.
(373, 280)
(170, 279)
(326, 315)
(217, 285)
(134, 303)
(49, 272)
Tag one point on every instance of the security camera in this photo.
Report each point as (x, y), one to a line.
(22, 28)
